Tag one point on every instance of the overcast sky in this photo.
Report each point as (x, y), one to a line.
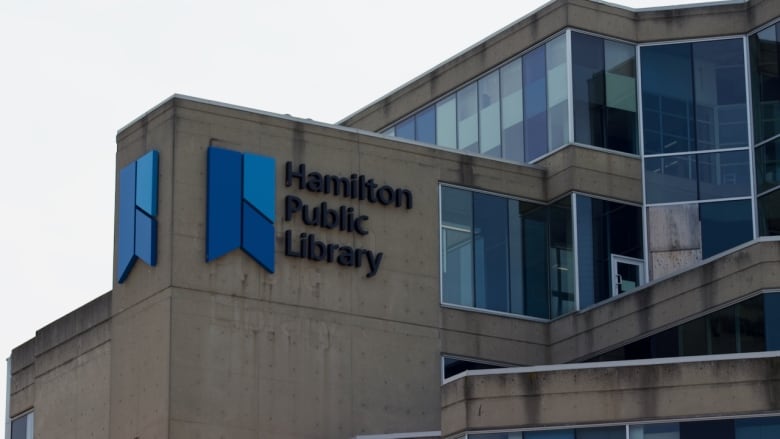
(72, 73)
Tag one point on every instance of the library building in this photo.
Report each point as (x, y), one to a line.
(569, 230)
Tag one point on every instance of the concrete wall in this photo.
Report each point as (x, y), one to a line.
(609, 394)
(63, 373)
(600, 18)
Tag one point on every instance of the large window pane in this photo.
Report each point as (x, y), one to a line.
(724, 225)
(768, 165)
(618, 432)
(757, 428)
(765, 68)
(561, 258)
(620, 78)
(667, 98)
(589, 91)
(425, 125)
(557, 93)
(468, 139)
(722, 429)
(672, 178)
(535, 271)
(535, 103)
(772, 324)
(512, 110)
(723, 331)
(457, 246)
(769, 214)
(446, 127)
(549, 434)
(405, 129)
(750, 315)
(491, 252)
(489, 116)
(655, 431)
(721, 106)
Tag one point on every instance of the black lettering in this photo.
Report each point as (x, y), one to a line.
(346, 256)
(358, 225)
(385, 195)
(292, 204)
(290, 174)
(403, 193)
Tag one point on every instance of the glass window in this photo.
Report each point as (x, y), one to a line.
(654, 431)
(561, 258)
(671, 178)
(620, 77)
(23, 427)
(489, 115)
(750, 321)
(667, 98)
(765, 70)
(457, 246)
(757, 428)
(772, 325)
(604, 229)
(720, 429)
(536, 301)
(425, 125)
(768, 165)
(769, 214)
(405, 129)
(724, 225)
(491, 252)
(446, 131)
(468, 139)
(618, 432)
(588, 86)
(512, 110)
(723, 175)
(557, 93)
(535, 103)
(549, 434)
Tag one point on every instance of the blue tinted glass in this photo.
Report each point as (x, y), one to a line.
(723, 175)
(618, 432)
(722, 429)
(557, 93)
(549, 434)
(446, 125)
(769, 214)
(468, 127)
(667, 98)
(491, 252)
(19, 428)
(768, 165)
(425, 125)
(535, 263)
(490, 115)
(588, 86)
(669, 179)
(535, 103)
(405, 129)
(512, 110)
(457, 246)
(772, 328)
(765, 65)
(724, 225)
(721, 105)
(757, 428)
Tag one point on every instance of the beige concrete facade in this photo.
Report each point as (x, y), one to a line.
(197, 349)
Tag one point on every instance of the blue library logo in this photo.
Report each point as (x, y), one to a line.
(240, 213)
(137, 214)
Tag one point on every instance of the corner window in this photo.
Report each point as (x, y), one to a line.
(22, 427)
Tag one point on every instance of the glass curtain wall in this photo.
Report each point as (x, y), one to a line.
(747, 326)
(740, 428)
(604, 88)
(518, 112)
(696, 151)
(491, 248)
(764, 65)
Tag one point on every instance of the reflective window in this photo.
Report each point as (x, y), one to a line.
(425, 125)
(489, 115)
(446, 123)
(765, 71)
(724, 225)
(693, 96)
(557, 93)
(535, 103)
(605, 229)
(22, 427)
(468, 139)
(457, 246)
(743, 327)
(768, 165)
(604, 84)
(405, 129)
(697, 177)
(512, 110)
(769, 214)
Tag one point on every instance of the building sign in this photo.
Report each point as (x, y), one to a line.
(241, 200)
(137, 214)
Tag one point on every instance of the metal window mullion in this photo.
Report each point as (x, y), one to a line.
(751, 135)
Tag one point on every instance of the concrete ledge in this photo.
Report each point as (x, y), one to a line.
(609, 394)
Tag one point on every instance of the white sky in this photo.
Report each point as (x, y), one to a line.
(73, 72)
